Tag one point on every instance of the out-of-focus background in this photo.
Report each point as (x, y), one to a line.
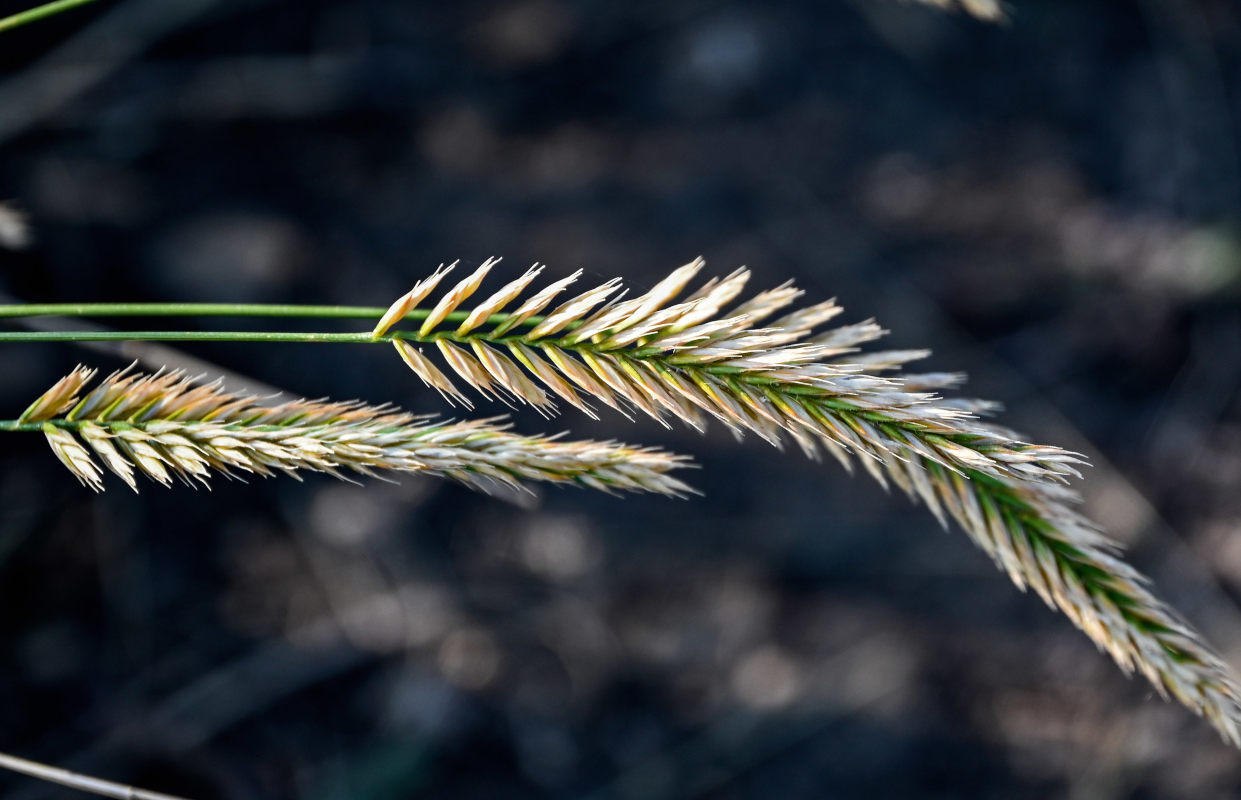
(1052, 204)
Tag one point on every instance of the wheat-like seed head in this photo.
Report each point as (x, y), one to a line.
(787, 379)
(167, 427)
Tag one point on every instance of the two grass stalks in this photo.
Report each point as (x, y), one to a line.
(351, 436)
(758, 366)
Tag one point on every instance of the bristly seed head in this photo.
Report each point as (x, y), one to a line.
(167, 427)
(786, 379)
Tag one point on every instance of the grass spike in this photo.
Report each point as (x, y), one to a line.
(199, 430)
(790, 378)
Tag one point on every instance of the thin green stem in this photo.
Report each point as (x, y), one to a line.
(39, 12)
(189, 336)
(196, 310)
(270, 311)
(309, 337)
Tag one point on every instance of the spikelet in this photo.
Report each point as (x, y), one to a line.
(459, 293)
(58, 399)
(407, 302)
(430, 374)
(498, 300)
(166, 427)
(788, 380)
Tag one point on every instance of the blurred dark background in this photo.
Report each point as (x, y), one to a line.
(1052, 204)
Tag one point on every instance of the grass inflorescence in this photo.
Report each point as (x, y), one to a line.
(165, 426)
(761, 367)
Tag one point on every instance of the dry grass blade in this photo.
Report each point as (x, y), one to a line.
(167, 427)
(786, 379)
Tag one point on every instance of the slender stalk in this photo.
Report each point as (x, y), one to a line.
(39, 12)
(272, 311)
(75, 780)
(320, 337)
(189, 336)
(192, 310)
(256, 310)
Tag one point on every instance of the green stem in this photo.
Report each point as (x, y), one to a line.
(26, 310)
(39, 12)
(190, 336)
(313, 337)
(196, 310)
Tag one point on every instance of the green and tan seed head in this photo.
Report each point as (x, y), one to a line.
(763, 367)
(167, 427)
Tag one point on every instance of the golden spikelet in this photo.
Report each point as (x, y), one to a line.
(430, 374)
(166, 427)
(405, 303)
(457, 295)
(787, 379)
(60, 398)
(498, 300)
(535, 304)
